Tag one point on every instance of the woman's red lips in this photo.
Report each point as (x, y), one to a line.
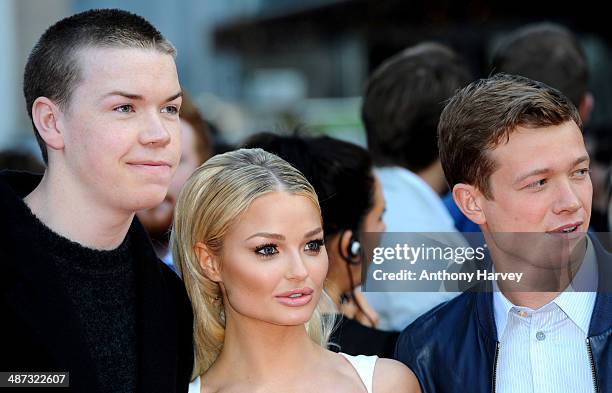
(296, 297)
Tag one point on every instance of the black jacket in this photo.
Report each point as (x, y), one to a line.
(455, 344)
(39, 331)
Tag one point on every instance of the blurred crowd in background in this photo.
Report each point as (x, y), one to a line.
(263, 65)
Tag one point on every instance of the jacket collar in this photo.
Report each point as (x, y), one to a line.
(601, 321)
(485, 314)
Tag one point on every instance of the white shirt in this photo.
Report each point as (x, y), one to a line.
(411, 206)
(545, 350)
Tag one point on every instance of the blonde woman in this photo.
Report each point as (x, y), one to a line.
(248, 241)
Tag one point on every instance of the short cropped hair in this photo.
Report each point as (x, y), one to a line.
(52, 69)
(548, 53)
(403, 101)
(484, 114)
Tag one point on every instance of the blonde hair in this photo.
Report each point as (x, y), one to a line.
(215, 195)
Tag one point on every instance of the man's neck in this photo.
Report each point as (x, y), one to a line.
(76, 217)
(532, 300)
(532, 291)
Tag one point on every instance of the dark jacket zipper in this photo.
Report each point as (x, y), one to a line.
(593, 373)
(592, 363)
(495, 366)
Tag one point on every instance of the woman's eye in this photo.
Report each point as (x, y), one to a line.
(171, 109)
(267, 250)
(124, 108)
(314, 246)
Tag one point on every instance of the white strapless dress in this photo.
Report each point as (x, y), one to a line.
(364, 365)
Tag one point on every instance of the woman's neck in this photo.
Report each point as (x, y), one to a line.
(255, 351)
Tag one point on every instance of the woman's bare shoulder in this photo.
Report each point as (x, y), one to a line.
(393, 376)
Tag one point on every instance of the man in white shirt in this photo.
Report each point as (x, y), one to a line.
(401, 107)
(513, 153)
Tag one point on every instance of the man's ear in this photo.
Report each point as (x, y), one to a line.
(468, 199)
(46, 117)
(208, 262)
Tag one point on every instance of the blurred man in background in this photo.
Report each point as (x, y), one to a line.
(401, 107)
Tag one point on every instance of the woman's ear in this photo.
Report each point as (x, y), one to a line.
(208, 262)
(46, 117)
(468, 200)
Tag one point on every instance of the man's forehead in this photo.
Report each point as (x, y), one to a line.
(127, 70)
(522, 137)
(94, 60)
(116, 50)
(541, 147)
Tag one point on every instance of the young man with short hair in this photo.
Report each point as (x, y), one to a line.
(513, 154)
(81, 289)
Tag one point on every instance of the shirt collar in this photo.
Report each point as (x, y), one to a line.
(501, 308)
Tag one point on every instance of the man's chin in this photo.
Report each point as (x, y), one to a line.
(577, 246)
(153, 202)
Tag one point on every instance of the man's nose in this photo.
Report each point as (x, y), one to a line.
(155, 132)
